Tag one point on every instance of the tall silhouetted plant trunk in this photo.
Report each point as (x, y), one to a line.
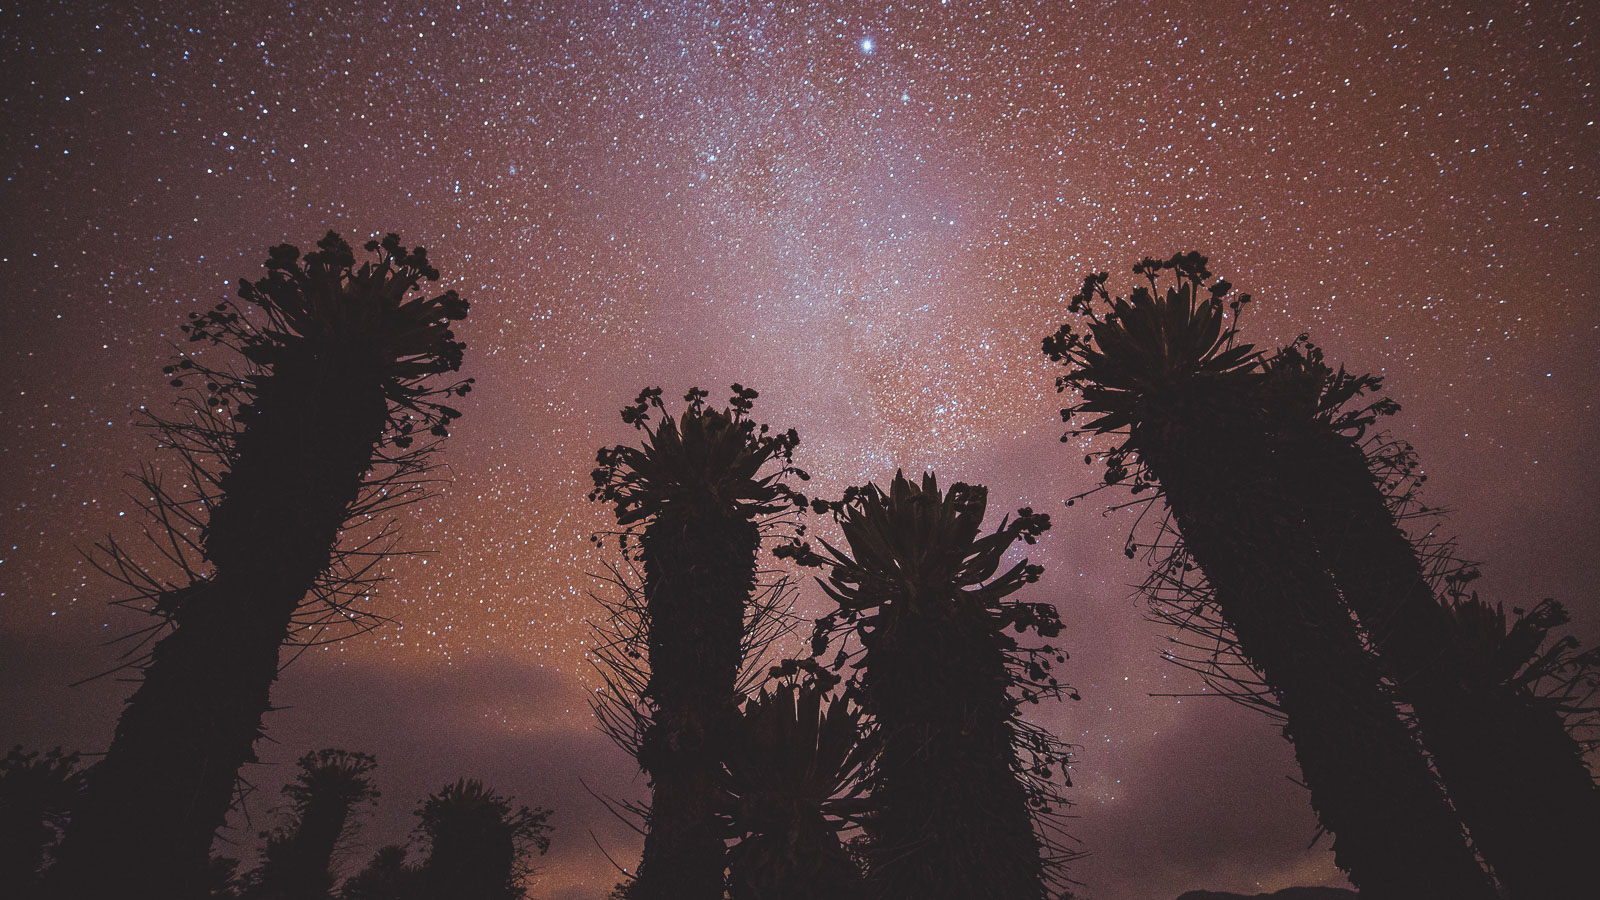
(696, 493)
(1161, 369)
(1514, 773)
(699, 570)
(1369, 782)
(340, 358)
(299, 856)
(954, 804)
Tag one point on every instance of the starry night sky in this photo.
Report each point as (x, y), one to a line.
(868, 212)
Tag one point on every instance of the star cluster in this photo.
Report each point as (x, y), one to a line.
(869, 212)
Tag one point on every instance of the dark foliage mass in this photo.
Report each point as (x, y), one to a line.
(1442, 741)
(1467, 677)
(965, 793)
(37, 794)
(477, 845)
(385, 877)
(303, 428)
(298, 862)
(1317, 596)
(692, 503)
(795, 780)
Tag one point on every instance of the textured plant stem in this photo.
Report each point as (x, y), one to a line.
(1370, 784)
(955, 822)
(700, 568)
(166, 784)
(1516, 776)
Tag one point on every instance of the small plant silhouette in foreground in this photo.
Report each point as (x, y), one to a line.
(1163, 372)
(478, 845)
(385, 877)
(691, 504)
(313, 435)
(299, 855)
(37, 794)
(966, 793)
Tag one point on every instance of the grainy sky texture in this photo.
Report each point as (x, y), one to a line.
(870, 213)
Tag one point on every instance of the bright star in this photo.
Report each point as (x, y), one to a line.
(866, 45)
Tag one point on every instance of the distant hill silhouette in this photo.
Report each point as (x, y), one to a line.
(1294, 893)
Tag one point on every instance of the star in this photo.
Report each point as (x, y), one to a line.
(665, 199)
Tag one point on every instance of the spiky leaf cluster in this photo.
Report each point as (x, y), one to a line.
(917, 552)
(323, 307)
(1148, 344)
(706, 460)
(798, 747)
(918, 540)
(468, 807)
(332, 776)
(796, 769)
(1298, 385)
(1519, 651)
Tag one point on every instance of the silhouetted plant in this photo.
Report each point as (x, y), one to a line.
(223, 879)
(478, 843)
(1516, 654)
(385, 877)
(1513, 772)
(960, 781)
(299, 855)
(37, 794)
(795, 779)
(314, 435)
(691, 504)
(1163, 372)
